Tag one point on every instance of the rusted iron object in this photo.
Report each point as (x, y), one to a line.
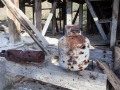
(74, 49)
(23, 56)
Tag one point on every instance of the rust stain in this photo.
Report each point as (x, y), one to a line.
(86, 62)
(81, 52)
(73, 27)
(74, 62)
(72, 42)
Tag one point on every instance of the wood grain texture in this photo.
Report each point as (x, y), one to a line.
(113, 79)
(56, 75)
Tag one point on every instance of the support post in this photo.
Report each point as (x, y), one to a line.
(81, 15)
(96, 20)
(64, 15)
(54, 24)
(114, 22)
(69, 12)
(38, 14)
(14, 25)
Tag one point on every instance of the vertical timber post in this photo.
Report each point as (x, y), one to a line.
(114, 22)
(64, 15)
(81, 15)
(14, 25)
(54, 23)
(69, 12)
(38, 14)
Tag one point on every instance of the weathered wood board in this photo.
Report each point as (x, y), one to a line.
(56, 75)
(113, 79)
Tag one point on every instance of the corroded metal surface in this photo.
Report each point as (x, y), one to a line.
(74, 51)
(23, 56)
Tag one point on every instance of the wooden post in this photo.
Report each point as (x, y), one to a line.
(14, 25)
(95, 18)
(38, 14)
(69, 12)
(114, 22)
(81, 15)
(49, 17)
(54, 23)
(64, 15)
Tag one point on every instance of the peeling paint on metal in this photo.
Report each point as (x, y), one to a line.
(74, 50)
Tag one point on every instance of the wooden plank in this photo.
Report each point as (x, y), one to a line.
(105, 20)
(25, 21)
(49, 17)
(95, 54)
(113, 79)
(38, 14)
(81, 15)
(96, 20)
(55, 75)
(69, 12)
(14, 25)
(114, 22)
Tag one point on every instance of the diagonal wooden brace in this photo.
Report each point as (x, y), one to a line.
(22, 18)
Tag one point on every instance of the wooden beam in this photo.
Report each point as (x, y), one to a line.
(69, 12)
(55, 75)
(81, 15)
(105, 20)
(49, 17)
(113, 79)
(25, 21)
(14, 25)
(114, 22)
(96, 20)
(38, 14)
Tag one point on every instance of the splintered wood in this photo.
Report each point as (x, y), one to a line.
(113, 79)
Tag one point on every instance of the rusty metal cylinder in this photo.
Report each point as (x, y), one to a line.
(74, 49)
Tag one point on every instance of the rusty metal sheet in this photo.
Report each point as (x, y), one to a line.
(23, 56)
